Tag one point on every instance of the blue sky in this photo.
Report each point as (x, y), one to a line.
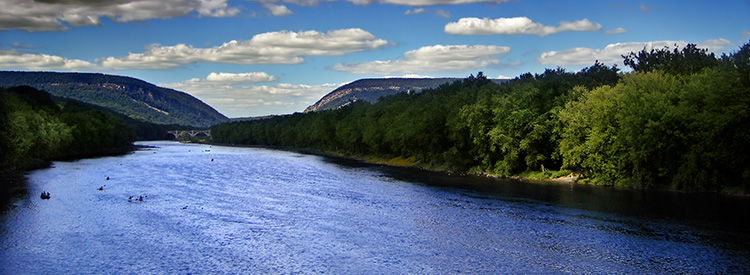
(262, 57)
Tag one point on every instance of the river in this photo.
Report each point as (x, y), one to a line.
(212, 209)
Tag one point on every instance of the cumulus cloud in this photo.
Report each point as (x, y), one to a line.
(515, 25)
(612, 53)
(233, 78)
(713, 45)
(10, 59)
(616, 31)
(277, 10)
(235, 100)
(745, 33)
(283, 47)
(435, 58)
(58, 15)
(52, 15)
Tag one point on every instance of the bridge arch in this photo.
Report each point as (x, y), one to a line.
(192, 133)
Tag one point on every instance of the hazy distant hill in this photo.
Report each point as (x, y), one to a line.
(132, 97)
(371, 90)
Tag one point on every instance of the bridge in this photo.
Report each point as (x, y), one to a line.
(191, 133)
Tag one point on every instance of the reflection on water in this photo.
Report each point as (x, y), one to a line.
(13, 185)
(211, 209)
(731, 212)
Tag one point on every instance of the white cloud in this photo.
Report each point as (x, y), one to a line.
(233, 79)
(503, 77)
(414, 11)
(34, 61)
(57, 15)
(49, 15)
(745, 33)
(283, 47)
(643, 7)
(714, 45)
(514, 25)
(612, 53)
(242, 101)
(437, 58)
(277, 10)
(616, 31)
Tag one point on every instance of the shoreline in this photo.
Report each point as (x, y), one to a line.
(406, 163)
(410, 163)
(13, 178)
(34, 164)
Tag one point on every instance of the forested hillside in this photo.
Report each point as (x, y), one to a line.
(370, 90)
(37, 128)
(129, 96)
(678, 121)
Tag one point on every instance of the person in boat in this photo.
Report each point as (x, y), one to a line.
(44, 195)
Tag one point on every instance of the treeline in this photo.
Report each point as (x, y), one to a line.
(678, 121)
(38, 127)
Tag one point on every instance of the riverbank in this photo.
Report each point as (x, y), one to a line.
(12, 177)
(549, 176)
(38, 163)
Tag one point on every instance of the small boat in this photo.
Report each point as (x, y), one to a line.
(44, 195)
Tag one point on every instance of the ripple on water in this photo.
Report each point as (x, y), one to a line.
(264, 211)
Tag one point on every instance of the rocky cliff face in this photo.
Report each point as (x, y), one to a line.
(371, 90)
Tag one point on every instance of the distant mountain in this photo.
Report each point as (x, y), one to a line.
(370, 90)
(252, 118)
(132, 97)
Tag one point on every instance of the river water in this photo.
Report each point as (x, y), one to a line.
(211, 209)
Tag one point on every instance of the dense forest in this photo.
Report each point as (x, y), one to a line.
(678, 121)
(132, 97)
(37, 127)
(371, 90)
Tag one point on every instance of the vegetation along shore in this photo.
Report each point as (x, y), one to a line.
(677, 121)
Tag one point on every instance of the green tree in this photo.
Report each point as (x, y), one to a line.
(689, 60)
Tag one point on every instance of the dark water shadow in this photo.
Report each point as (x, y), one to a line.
(13, 186)
(709, 211)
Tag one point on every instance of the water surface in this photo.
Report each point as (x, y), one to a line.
(212, 209)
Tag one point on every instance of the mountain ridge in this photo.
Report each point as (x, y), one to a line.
(372, 89)
(130, 96)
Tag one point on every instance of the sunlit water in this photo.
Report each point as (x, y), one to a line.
(211, 209)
